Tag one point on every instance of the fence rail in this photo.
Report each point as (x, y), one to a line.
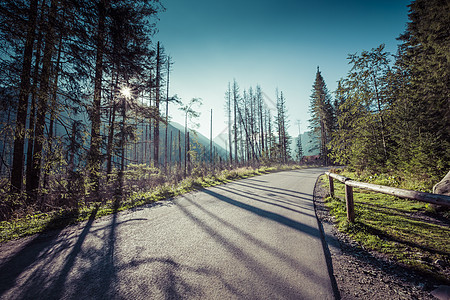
(438, 199)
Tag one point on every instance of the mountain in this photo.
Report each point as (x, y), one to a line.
(199, 142)
(309, 144)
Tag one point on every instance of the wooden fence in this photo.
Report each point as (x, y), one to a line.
(438, 199)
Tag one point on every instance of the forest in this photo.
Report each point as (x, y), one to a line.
(391, 113)
(85, 94)
(84, 115)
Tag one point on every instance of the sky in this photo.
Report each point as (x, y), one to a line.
(276, 44)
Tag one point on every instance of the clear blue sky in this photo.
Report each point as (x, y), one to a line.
(277, 44)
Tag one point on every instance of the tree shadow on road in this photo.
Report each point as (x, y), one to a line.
(268, 215)
(38, 247)
(266, 276)
(276, 190)
(271, 202)
(48, 264)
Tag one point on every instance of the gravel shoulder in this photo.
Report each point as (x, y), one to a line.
(364, 274)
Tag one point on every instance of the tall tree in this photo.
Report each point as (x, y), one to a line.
(44, 95)
(95, 153)
(364, 109)
(321, 111)
(17, 167)
(259, 101)
(347, 111)
(422, 91)
(228, 109)
(368, 77)
(34, 88)
(167, 113)
(157, 102)
(282, 126)
(190, 113)
(299, 144)
(236, 97)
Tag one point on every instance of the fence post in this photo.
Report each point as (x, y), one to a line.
(330, 180)
(349, 202)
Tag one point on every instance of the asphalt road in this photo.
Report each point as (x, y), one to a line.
(256, 238)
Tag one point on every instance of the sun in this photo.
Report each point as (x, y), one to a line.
(126, 92)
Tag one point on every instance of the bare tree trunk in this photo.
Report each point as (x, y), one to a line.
(188, 153)
(186, 139)
(42, 105)
(235, 96)
(383, 128)
(210, 140)
(229, 122)
(53, 108)
(123, 147)
(269, 122)
(19, 134)
(95, 155)
(171, 149)
(32, 117)
(179, 150)
(112, 124)
(157, 100)
(167, 114)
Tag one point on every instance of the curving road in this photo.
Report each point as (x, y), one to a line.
(256, 238)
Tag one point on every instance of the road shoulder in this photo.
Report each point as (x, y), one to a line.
(363, 274)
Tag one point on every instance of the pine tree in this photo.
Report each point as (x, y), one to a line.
(422, 91)
(94, 155)
(43, 96)
(282, 124)
(299, 144)
(321, 111)
(346, 113)
(17, 167)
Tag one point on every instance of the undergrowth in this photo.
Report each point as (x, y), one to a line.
(39, 222)
(399, 228)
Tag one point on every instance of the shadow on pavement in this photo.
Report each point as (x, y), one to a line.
(267, 276)
(267, 214)
(245, 194)
(273, 189)
(41, 246)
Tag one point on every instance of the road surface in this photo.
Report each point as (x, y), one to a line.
(256, 238)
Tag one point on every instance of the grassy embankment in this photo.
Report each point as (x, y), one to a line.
(40, 222)
(408, 231)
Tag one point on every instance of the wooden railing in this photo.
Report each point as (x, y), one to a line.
(438, 199)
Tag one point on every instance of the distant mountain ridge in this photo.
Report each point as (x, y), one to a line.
(195, 137)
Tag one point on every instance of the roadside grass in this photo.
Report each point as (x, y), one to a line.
(398, 228)
(41, 222)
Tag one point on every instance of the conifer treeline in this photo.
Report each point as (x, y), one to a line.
(392, 113)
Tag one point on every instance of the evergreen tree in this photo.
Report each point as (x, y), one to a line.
(422, 91)
(299, 146)
(282, 124)
(321, 111)
(363, 100)
(345, 112)
(24, 91)
(94, 155)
